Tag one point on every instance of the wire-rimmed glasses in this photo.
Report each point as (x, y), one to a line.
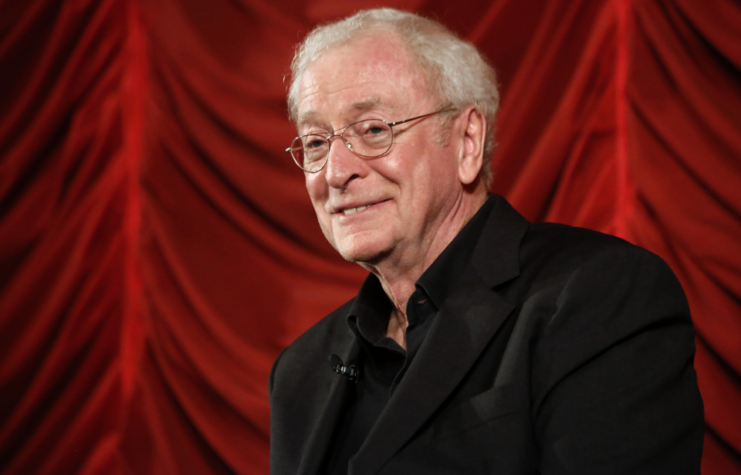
(369, 138)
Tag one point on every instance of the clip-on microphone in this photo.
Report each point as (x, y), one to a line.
(349, 371)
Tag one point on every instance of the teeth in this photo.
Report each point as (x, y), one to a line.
(348, 211)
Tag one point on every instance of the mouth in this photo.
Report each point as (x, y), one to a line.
(349, 211)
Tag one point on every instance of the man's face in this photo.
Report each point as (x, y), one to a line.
(391, 207)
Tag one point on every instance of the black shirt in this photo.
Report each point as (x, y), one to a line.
(383, 362)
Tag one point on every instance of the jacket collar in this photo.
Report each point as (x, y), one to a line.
(466, 323)
(497, 254)
(468, 319)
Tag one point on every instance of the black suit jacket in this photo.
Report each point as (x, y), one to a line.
(560, 351)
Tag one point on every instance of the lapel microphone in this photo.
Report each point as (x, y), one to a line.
(349, 371)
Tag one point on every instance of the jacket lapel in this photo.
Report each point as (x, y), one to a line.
(327, 418)
(468, 320)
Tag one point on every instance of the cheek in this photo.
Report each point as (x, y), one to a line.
(316, 188)
(433, 186)
(318, 192)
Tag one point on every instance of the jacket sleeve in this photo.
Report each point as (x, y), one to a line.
(614, 388)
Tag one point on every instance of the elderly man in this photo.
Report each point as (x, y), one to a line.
(479, 343)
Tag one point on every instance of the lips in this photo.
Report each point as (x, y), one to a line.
(349, 211)
(352, 208)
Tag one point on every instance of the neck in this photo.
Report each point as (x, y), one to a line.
(399, 273)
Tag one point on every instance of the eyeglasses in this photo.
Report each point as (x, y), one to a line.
(368, 138)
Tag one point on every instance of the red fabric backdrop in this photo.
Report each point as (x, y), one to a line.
(157, 248)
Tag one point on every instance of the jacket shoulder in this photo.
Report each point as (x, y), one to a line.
(550, 245)
(310, 351)
(607, 322)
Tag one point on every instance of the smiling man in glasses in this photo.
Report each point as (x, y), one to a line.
(479, 343)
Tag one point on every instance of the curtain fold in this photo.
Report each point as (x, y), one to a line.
(61, 196)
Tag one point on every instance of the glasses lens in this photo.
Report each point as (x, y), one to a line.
(369, 138)
(310, 151)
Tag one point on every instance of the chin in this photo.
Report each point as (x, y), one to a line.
(358, 256)
(362, 252)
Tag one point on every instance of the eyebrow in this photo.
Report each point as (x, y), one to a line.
(305, 118)
(366, 104)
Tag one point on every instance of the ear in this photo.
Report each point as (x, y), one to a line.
(472, 130)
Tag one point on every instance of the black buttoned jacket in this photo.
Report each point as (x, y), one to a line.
(559, 351)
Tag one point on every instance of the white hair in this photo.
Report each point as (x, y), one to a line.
(455, 71)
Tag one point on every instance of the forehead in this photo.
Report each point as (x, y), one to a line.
(371, 73)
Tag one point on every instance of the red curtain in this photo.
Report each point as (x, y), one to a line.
(158, 249)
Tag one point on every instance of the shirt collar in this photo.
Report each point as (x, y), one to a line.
(438, 280)
(371, 309)
(370, 312)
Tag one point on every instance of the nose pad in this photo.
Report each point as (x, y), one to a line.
(344, 141)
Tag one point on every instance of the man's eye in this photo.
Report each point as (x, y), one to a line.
(314, 144)
(374, 130)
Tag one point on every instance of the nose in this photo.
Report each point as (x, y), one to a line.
(342, 164)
